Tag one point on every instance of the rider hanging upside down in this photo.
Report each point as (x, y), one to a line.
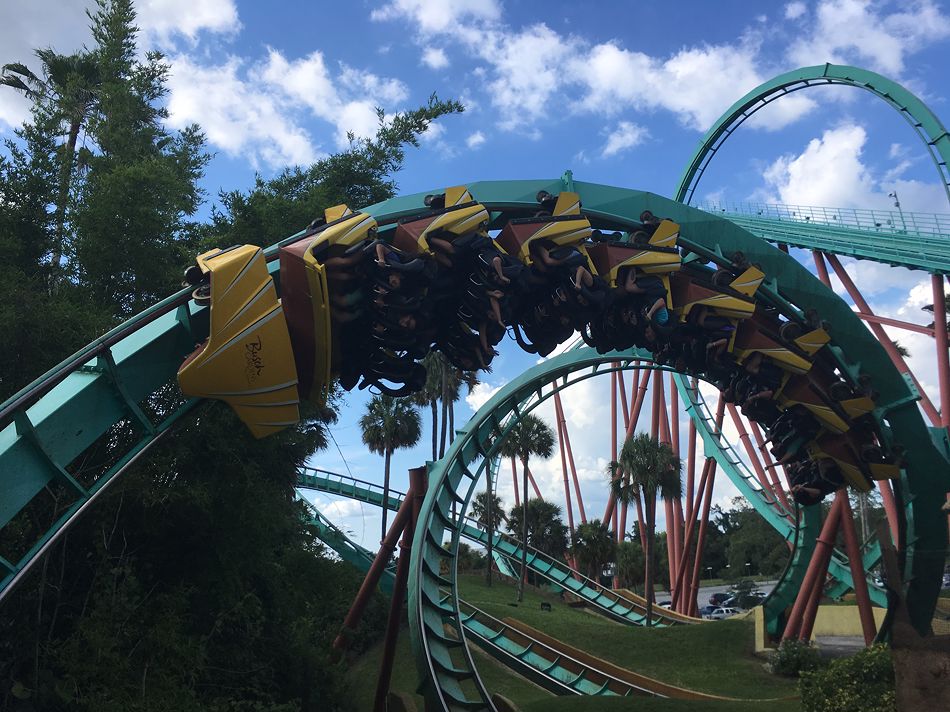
(652, 288)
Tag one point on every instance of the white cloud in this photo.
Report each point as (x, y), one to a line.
(696, 84)
(433, 16)
(162, 20)
(475, 140)
(435, 58)
(64, 27)
(481, 394)
(625, 136)
(875, 278)
(239, 116)
(858, 32)
(794, 10)
(348, 101)
(434, 132)
(379, 89)
(527, 69)
(828, 172)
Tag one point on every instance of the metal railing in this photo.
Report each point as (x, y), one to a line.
(880, 221)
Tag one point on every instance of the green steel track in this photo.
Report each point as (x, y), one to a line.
(924, 122)
(923, 533)
(923, 252)
(553, 670)
(505, 548)
(72, 415)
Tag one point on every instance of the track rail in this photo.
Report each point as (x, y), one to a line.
(598, 597)
(126, 381)
(538, 661)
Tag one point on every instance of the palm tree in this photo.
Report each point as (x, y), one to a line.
(547, 532)
(488, 513)
(529, 436)
(594, 546)
(70, 88)
(442, 387)
(388, 425)
(649, 467)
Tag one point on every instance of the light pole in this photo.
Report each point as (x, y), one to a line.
(897, 204)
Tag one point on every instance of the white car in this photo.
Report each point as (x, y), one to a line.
(719, 613)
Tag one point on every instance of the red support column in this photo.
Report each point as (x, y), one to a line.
(771, 468)
(814, 600)
(534, 484)
(613, 448)
(701, 539)
(666, 436)
(943, 348)
(890, 509)
(567, 487)
(824, 544)
(882, 336)
(868, 625)
(623, 399)
(693, 586)
(376, 569)
(417, 488)
(681, 580)
(754, 457)
(559, 409)
(631, 425)
(690, 469)
(678, 525)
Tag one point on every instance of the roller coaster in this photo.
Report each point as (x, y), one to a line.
(360, 296)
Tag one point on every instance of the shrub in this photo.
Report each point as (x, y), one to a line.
(862, 683)
(793, 657)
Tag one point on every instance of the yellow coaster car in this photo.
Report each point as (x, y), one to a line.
(306, 295)
(754, 336)
(247, 360)
(454, 213)
(734, 300)
(840, 449)
(564, 227)
(658, 256)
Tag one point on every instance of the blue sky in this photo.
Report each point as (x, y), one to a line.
(620, 94)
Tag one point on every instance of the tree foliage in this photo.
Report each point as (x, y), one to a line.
(546, 531)
(195, 582)
(864, 682)
(594, 546)
(529, 436)
(480, 510)
(648, 467)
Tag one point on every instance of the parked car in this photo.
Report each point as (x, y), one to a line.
(717, 598)
(706, 610)
(665, 604)
(720, 612)
(946, 580)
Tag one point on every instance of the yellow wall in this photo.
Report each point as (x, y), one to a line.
(831, 620)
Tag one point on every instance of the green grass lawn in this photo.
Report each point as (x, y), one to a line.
(715, 658)
(497, 678)
(641, 704)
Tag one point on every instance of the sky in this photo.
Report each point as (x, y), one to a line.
(620, 94)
